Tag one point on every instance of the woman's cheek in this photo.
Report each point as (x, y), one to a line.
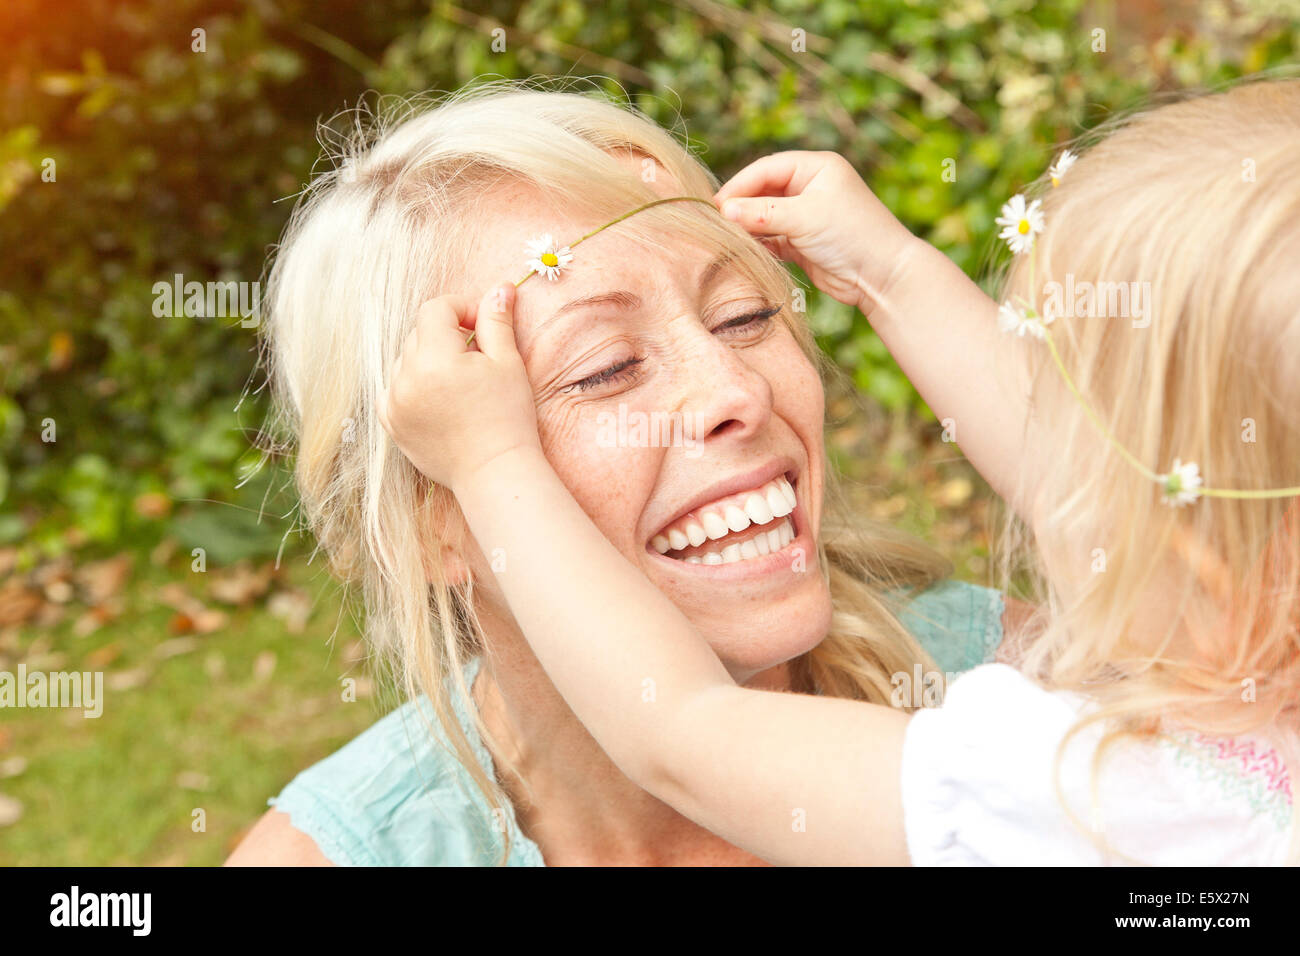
(797, 392)
(582, 448)
(559, 426)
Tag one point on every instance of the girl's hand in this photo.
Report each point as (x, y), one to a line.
(453, 408)
(813, 209)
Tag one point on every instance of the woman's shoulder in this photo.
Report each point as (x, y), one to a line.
(274, 841)
(958, 623)
(395, 795)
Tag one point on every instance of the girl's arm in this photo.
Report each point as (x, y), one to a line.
(813, 209)
(794, 779)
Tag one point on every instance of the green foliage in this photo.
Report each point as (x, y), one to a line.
(171, 161)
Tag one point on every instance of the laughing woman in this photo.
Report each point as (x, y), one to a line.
(675, 313)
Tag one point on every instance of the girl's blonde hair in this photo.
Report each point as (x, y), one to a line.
(386, 229)
(1194, 207)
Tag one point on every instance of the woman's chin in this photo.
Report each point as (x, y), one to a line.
(755, 638)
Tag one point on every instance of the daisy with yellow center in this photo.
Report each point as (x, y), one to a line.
(1020, 222)
(545, 259)
(1062, 165)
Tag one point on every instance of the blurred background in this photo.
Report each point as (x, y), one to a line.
(141, 139)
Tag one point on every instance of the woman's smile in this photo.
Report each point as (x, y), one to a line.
(746, 526)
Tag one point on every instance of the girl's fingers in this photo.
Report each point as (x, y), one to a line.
(763, 216)
(779, 246)
(437, 326)
(494, 324)
(781, 174)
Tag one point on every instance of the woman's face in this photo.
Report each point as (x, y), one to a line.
(673, 407)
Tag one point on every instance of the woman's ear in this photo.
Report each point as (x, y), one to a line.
(445, 537)
(455, 569)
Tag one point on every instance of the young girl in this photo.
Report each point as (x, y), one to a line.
(1139, 411)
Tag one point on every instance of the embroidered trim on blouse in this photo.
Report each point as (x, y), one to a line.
(1239, 767)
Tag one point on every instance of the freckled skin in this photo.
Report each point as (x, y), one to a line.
(759, 397)
(755, 394)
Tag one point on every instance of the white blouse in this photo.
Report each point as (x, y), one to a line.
(978, 787)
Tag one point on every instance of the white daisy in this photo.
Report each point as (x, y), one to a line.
(1019, 321)
(1061, 166)
(1020, 223)
(1182, 485)
(545, 259)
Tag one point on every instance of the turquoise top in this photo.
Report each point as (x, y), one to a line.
(394, 797)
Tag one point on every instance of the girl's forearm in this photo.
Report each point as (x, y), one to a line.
(601, 630)
(789, 777)
(943, 331)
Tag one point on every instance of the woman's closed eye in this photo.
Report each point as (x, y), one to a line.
(627, 369)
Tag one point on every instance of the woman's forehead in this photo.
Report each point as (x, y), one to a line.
(609, 261)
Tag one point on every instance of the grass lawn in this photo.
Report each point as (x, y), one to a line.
(217, 722)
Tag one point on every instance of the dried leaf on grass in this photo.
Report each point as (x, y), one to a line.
(293, 607)
(242, 584)
(11, 811)
(102, 581)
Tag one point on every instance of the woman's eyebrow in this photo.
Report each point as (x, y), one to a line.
(622, 299)
(714, 269)
(625, 301)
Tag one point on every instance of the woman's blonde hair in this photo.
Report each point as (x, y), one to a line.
(384, 230)
(1183, 224)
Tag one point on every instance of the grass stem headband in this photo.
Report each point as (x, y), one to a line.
(548, 260)
(1021, 222)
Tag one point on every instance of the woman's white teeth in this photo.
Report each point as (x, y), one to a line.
(737, 520)
(759, 511)
(770, 503)
(765, 542)
(780, 537)
(714, 526)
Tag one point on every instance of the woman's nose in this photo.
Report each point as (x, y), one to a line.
(723, 393)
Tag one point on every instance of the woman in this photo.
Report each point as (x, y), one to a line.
(486, 764)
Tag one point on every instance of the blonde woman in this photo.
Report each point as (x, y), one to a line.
(486, 763)
(1154, 720)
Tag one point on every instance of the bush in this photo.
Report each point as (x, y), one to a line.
(128, 156)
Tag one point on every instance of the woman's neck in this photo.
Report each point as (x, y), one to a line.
(577, 806)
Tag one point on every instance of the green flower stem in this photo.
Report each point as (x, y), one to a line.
(1131, 459)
